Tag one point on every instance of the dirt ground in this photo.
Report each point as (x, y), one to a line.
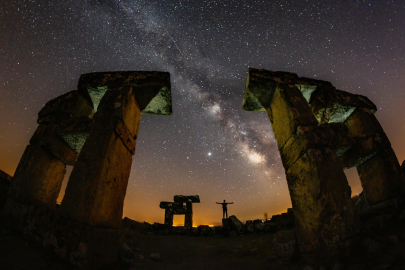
(199, 252)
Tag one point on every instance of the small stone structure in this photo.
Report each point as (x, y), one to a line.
(321, 131)
(182, 205)
(94, 129)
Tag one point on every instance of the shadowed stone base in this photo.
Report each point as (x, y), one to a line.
(84, 246)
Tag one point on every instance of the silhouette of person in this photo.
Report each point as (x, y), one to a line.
(224, 208)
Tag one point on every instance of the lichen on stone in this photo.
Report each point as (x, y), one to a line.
(97, 94)
(161, 104)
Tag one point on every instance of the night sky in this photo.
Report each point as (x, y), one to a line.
(209, 146)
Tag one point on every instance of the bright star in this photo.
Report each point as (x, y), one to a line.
(209, 153)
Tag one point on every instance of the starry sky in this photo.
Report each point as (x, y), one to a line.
(209, 146)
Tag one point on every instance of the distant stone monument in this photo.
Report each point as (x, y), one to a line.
(182, 205)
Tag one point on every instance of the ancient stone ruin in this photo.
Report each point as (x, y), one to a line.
(182, 205)
(321, 131)
(93, 129)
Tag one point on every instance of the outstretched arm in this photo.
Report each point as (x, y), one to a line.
(218, 203)
(231, 203)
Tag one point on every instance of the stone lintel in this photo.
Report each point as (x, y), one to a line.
(335, 106)
(169, 205)
(152, 88)
(261, 84)
(183, 199)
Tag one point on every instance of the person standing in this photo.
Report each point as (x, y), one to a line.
(224, 208)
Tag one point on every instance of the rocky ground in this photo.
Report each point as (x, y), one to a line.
(143, 249)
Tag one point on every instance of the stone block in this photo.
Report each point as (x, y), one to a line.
(204, 230)
(334, 106)
(183, 199)
(38, 178)
(122, 105)
(47, 137)
(287, 112)
(381, 177)
(236, 224)
(259, 226)
(362, 123)
(226, 224)
(152, 88)
(65, 107)
(331, 136)
(97, 186)
(319, 193)
(364, 149)
(261, 85)
(250, 226)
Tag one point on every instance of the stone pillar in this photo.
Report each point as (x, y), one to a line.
(378, 167)
(188, 218)
(97, 186)
(38, 177)
(318, 186)
(41, 170)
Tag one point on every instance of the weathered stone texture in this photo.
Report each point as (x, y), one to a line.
(319, 194)
(38, 177)
(381, 177)
(334, 106)
(236, 224)
(65, 107)
(288, 111)
(333, 136)
(98, 183)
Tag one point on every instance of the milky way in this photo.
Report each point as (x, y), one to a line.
(209, 146)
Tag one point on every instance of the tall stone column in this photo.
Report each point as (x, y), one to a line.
(97, 186)
(318, 186)
(41, 170)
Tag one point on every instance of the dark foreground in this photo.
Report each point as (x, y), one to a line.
(382, 250)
